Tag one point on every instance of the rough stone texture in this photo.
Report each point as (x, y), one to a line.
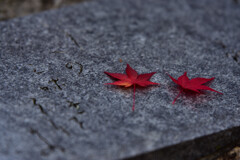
(54, 106)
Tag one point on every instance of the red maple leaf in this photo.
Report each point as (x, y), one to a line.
(194, 84)
(131, 78)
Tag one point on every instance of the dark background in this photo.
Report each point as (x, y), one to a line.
(16, 8)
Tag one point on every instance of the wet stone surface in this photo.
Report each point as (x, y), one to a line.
(54, 106)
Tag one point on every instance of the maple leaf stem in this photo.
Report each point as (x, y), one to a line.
(177, 96)
(134, 90)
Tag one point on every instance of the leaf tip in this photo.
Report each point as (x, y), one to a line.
(212, 78)
(105, 72)
(220, 93)
(167, 74)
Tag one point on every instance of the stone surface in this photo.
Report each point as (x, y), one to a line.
(54, 106)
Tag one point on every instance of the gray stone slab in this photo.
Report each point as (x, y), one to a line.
(54, 106)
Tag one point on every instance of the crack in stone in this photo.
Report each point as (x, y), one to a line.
(50, 146)
(75, 105)
(34, 70)
(234, 56)
(44, 88)
(72, 104)
(69, 65)
(57, 51)
(81, 67)
(59, 127)
(55, 81)
(39, 106)
(222, 44)
(77, 121)
(51, 121)
(72, 39)
(81, 112)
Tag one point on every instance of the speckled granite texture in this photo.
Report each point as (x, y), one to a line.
(54, 106)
